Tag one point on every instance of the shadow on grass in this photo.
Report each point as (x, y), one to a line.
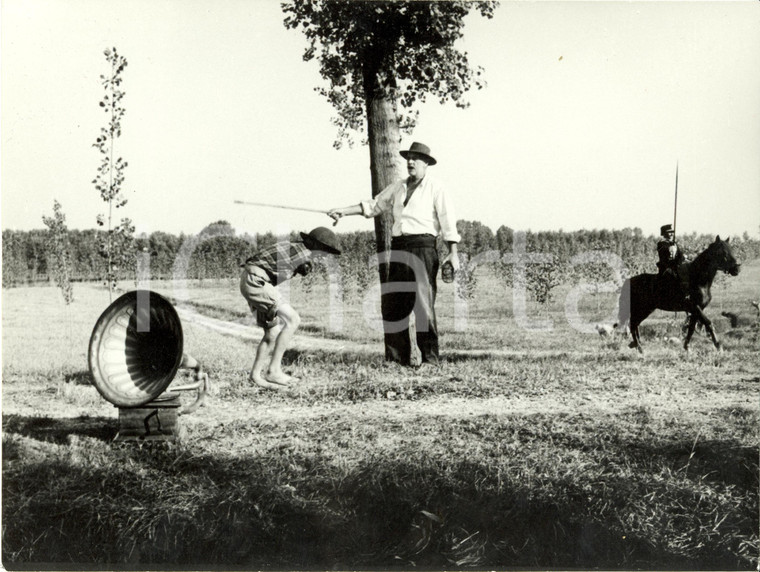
(459, 357)
(284, 509)
(374, 518)
(725, 462)
(294, 356)
(83, 377)
(375, 356)
(59, 430)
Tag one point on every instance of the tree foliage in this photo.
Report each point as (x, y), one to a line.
(59, 252)
(476, 236)
(404, 49)
(117, 247)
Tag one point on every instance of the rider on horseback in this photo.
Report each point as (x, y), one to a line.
(671, 258)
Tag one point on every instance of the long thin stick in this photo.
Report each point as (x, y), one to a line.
(252, 203)
(675, 206)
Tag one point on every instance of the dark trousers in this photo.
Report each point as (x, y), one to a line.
(411, 289)
(674, 278)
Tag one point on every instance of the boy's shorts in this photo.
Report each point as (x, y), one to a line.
(262, 297)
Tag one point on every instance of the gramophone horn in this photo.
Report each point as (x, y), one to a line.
(135, 348)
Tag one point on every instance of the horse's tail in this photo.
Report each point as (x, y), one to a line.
(624, 306)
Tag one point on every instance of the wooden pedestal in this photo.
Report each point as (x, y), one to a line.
(154, 421)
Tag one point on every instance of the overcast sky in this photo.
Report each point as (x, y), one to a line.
(588, 110)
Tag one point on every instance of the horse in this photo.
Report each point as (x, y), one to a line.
(644, 293)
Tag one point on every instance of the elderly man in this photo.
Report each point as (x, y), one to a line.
(420, 212)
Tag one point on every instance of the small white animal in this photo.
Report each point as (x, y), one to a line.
(605, 329)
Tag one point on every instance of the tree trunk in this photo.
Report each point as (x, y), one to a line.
(384, 138)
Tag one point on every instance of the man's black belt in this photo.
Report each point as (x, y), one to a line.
(413, 241)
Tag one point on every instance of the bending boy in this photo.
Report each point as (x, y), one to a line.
(260, 275)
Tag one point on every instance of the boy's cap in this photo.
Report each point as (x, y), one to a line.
(324, 238)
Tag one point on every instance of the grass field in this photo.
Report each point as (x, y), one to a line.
(525, 448)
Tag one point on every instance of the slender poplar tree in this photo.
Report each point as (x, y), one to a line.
(117, 246)
(59, 251)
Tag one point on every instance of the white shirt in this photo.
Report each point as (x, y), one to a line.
(428, 211)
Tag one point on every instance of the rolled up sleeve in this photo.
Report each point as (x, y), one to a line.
(369, 208)
(382, 203)
(446, 217)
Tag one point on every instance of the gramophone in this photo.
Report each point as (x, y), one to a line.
(136, 350)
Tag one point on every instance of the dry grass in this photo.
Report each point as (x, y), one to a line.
(523, 449)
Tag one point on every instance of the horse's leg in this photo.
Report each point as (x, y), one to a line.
(638, 315)
(633, 326)
(637, 339)
(690, 331)
(632, 329)
(707, 323)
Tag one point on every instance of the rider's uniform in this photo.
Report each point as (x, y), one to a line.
(670, 258)
(671, 255)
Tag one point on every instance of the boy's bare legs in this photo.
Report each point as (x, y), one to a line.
(291, 320)
(265, 345)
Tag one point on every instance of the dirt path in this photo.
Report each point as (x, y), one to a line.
(242, 331)
(306, 342)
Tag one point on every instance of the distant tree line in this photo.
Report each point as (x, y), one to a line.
(637, 250)
(217, 251)
(582, 256)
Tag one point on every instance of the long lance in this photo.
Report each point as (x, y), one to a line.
(252, 203)
(269, 205)
(675, 205)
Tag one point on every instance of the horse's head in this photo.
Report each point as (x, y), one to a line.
(723, 256)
